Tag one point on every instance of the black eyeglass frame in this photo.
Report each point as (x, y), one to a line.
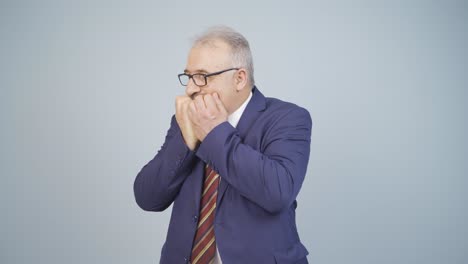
(205, 76)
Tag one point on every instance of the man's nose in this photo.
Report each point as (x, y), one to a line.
(191, 88)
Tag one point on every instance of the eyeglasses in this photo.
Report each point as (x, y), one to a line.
(199, 79)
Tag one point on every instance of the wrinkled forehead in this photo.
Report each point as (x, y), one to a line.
(209, 57)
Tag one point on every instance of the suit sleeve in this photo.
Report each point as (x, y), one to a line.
(272, 176)
(159, 181)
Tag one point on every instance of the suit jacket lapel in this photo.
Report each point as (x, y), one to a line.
(197, 181)
(252, 111)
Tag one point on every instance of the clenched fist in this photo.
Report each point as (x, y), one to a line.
(185, 124)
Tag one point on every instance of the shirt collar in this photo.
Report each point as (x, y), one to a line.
(234, 118)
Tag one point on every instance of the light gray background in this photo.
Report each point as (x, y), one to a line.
(87, 91)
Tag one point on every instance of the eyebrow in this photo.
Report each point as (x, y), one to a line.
(196, 71)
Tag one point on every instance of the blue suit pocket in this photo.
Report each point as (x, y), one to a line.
(293, 255)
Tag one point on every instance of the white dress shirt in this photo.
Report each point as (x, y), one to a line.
(233, 119)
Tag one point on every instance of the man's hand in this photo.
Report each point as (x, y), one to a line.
(185, 124)
(206, 112)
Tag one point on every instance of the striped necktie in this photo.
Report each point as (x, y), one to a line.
(204, 247)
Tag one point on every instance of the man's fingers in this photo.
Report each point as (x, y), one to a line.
(181, 102)
(192, 109)
(219, 103)
(181, 98)
(199, 102)
(210, 103)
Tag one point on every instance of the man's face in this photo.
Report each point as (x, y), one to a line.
(211, 58)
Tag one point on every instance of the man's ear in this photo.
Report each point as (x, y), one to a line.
(241, 79)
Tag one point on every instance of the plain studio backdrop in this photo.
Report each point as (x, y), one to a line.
(87, 93)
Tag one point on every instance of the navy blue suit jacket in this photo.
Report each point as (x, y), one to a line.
(262, 164)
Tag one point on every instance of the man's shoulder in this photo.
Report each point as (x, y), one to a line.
(274, 111)
(275, 105)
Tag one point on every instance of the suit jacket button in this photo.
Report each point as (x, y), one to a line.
(195, 218)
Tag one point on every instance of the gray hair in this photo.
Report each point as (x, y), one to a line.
(240, 49)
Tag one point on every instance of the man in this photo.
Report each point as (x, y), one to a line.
(232, 164)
